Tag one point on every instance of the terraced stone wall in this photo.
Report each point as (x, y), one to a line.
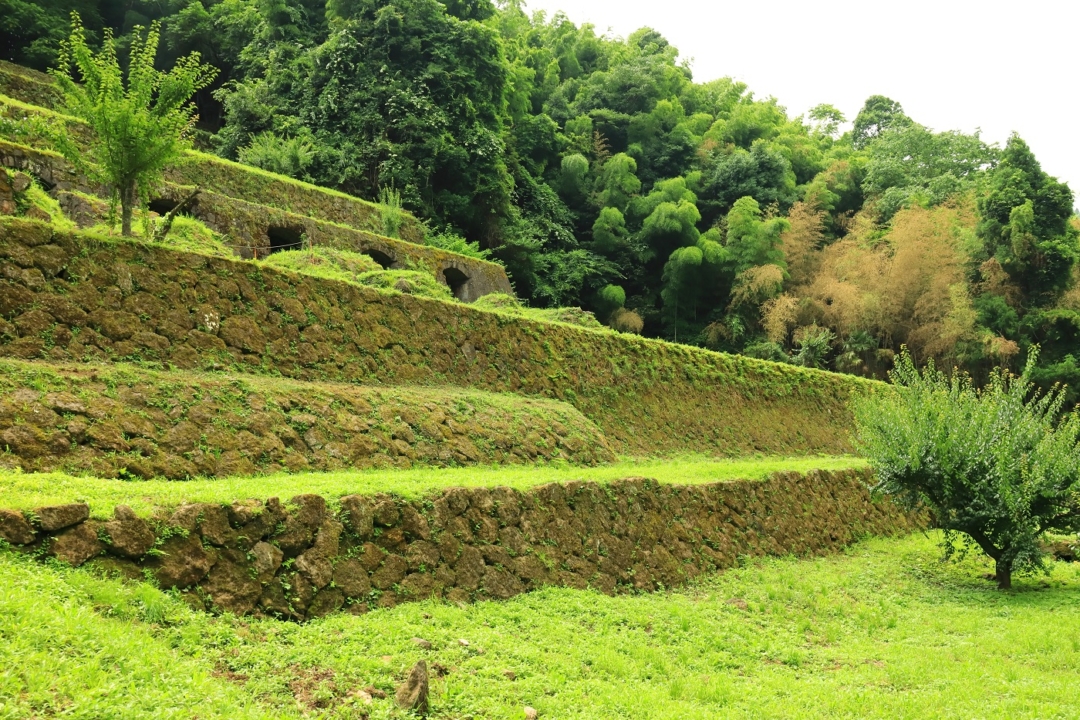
(116, 421)
(247, 226)
(306, 558)
(67, 296)
(206, 171)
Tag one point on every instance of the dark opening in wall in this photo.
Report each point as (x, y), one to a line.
(285, 237)
(456, 280)
(162, 205)
(46, 184)
(385, 261)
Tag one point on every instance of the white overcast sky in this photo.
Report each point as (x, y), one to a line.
(952, 64)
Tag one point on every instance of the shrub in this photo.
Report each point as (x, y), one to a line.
(997, 467)
(390, 208)
(284, 156)
(626, 321)
(452, 242)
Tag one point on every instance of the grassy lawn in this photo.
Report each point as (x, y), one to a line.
(882, 631)
(30, 490)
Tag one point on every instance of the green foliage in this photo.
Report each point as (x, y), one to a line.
(410, 282)
(878, 114)
(284, 156)
(1025, 223)
(324, 262)
(187, 234)
(139, 126)
(510, 305)
(910, 164)
(31, 32)
(815, 344)
(390, 207)
(429, 126)
(998, 467)
(609, 299)
(452, 242)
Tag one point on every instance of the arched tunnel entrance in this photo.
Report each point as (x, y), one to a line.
(285, 237)
(458, 282)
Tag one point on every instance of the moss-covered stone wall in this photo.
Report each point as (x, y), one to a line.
(197, 168)
(125, 421)
(247, 225)
(70, 296)
(307, 557)
(28, 85)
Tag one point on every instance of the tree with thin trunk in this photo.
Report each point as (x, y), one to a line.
(138, 127)
(998, 467)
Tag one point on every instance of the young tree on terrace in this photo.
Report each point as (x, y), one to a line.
(997, 467)
(139, 127)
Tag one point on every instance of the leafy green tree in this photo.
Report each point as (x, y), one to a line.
(877, 115)
(400, 93)
(762, 173)
(139, 127)
(752, 239)
(910, 164)
(31, 32)
(609, 230)
(618, 182)
(997, 467)
(1025, 222)
(825, 120)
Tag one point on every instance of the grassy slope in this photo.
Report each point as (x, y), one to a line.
(30, 490)
(882, 631)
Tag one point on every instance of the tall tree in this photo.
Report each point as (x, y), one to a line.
(138, 127)
(1025, 223)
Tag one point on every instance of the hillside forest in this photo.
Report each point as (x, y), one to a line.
(603, 176)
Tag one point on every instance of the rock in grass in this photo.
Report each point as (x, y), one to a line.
(413, 693)
(422, 643)
(58, 517)
(77, 545)
(182, 562)
(530, 713)
(15, 528)
(129, 535)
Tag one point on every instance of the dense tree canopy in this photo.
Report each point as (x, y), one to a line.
(602, 175)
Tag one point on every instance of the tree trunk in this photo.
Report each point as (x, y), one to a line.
(1003, 571)
(127, 202)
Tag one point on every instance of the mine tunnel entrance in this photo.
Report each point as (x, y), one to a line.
(285, 237)
(161, 206)
(385, 261)
(457, 281)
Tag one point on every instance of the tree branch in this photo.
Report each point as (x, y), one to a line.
(166, 222)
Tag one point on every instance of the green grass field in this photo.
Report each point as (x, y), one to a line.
(25, 491)
(884, 630)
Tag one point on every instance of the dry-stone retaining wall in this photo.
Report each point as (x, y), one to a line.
(123, 421)
(247, 226)
(306, 558)
(207, 171)
(72, 297)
